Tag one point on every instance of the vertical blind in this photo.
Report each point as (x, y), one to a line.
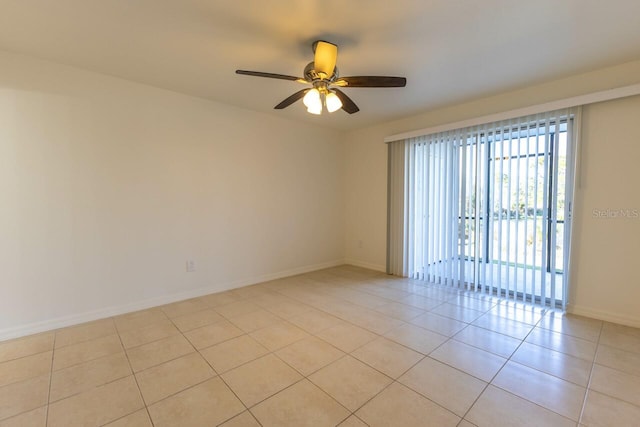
(486, 208)
(397, 186)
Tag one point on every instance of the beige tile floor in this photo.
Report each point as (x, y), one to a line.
(343, 346)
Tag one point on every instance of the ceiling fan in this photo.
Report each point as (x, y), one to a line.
(322, 75)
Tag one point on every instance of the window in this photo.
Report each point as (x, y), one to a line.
(488, 208)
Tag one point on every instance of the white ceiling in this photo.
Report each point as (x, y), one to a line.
(449, 50)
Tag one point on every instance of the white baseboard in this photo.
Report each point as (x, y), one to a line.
(604, 315)
(61, 322)
(364, 264)
(74, 319)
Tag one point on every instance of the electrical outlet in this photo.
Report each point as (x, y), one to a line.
(360, 244)
(191, 266)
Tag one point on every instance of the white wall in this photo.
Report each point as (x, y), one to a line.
(607, 227)
(366, 186)
(107, 187)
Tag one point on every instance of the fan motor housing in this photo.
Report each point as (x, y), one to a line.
(311, 75)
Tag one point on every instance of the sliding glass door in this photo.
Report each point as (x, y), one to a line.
(489, 207)
(526, 190)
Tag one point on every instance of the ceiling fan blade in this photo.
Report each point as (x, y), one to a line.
(371, 81)
(293, 98)
(269, 75)
(347, 104)
(325, 58)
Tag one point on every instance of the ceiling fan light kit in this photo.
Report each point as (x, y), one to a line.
(323, 75)
(333, 102)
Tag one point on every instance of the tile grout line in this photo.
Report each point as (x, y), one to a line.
(215, 371)
(612, 396)
(451, 338)
(93, 387)
(368, 400)
(22, 357)
(135, 378)
(345, 355)
(393, 380)
(176, 358)
(337, 316)
(522, 342)
(490, 382)
(92, 359)
(93, 338)
(197, 351)
(219, 375)
(593, 363)
(53, 353)
(306, 377)
(30, 376)
(237, 415)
